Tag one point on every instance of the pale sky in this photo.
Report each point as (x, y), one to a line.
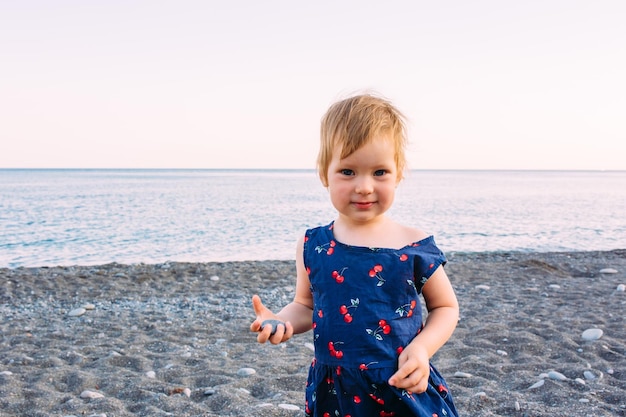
(491, 84)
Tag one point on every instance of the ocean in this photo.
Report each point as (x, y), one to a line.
(52, 217)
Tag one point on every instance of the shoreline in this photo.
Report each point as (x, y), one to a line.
(172, 339)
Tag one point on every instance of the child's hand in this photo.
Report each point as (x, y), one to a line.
(269, 326)
(413, 369)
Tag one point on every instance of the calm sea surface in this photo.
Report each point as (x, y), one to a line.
(70, 217)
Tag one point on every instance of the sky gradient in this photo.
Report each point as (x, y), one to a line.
(243, 84)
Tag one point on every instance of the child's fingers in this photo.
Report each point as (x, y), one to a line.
(410, 377)
(257, 305)
(264, 334)
(283, 332)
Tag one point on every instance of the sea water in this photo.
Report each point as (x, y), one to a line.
(86, 217)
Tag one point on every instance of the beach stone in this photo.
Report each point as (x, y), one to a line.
(214, 278)
(557, 376)
(209, 391)
(483, 287)
(273, 323)
(90, 394)
(592, 334)
(608, 271)
(187, 392)
(151, 374)
(77, 312)
(580, 381)
(459, 374)
(554, 286)
(501, 352)
(6, 373)
(246, 372)
(289, 407)
(590, 376)
(89, 306)
(537, 384)
(621, 287)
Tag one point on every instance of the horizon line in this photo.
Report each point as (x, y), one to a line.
(293, 169)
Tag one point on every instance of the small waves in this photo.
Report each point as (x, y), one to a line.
(68, 217)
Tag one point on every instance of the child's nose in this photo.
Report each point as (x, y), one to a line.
(364, 186)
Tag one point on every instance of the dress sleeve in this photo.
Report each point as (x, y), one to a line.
(426, 261)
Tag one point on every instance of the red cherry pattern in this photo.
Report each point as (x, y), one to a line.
(365, 366)
(338, 275)
(377, 399)
(329, 247)
(333, 351)
(407, 309)
(383, 327)
(375, 273)
(344, 310)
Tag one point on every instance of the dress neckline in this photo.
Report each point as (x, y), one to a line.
(418, 243)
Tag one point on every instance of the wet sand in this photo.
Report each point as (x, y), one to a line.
(172, 340)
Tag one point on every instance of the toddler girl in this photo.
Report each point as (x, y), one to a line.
(359, 279)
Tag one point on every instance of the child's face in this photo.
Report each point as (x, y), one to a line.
(362, 186)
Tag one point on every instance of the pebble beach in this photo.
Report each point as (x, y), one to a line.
(540, 334)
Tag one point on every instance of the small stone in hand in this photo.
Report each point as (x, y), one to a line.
(273, 323)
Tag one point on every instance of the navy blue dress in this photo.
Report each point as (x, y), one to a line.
(366, 310)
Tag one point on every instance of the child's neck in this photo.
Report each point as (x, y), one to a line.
(374, 233)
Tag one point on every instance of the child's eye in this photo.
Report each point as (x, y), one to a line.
(347, 172)
(380, 173)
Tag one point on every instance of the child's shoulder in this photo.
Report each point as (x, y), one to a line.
(410, 234)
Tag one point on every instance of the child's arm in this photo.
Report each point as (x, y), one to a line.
(443, 315)
(297, 316)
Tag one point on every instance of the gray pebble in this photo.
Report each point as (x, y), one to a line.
(557, 376)
(537, 384)
(621, 288)
(289, 407)
(459, 374)
(246, 372)
(273, 323)
(90, 394)
(608, 271)
(592, 334)
(590, 376)
(77, 312)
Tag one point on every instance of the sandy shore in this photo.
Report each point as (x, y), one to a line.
(172, 340)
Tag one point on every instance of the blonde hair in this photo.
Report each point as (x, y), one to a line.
(353, 122)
